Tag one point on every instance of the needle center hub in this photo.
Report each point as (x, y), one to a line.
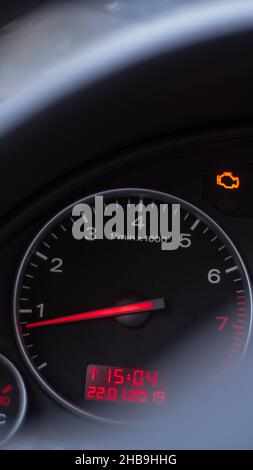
(134, 319)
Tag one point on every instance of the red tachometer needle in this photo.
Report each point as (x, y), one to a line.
(138, 307)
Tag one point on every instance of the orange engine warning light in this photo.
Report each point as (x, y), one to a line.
(227, 180)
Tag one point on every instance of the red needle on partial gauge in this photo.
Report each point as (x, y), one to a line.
(138, 307)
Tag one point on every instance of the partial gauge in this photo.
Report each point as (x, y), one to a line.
(12, 399)
(112, 323)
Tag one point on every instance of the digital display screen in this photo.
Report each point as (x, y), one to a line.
(124, 384)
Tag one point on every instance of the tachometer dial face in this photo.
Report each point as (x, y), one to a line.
(114, 324)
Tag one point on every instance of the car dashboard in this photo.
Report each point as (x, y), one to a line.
(120, 331)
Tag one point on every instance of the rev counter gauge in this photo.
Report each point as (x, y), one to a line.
(98, 320)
